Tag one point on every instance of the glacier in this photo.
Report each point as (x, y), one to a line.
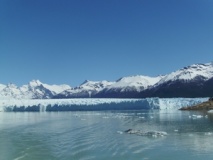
(95, 104)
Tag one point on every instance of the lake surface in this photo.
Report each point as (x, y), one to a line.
(99, 135)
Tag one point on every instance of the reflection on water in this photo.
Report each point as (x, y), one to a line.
(99, 135)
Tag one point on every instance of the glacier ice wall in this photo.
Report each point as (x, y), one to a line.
(96, 104)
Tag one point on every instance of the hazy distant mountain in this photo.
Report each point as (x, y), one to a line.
(33, 90)
(192, 81)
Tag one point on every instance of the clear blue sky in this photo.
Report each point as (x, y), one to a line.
(68, 41)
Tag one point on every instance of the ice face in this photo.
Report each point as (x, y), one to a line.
(97, 104)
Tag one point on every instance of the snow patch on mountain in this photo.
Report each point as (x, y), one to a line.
(86, 89)
(2, 86)
(94, 85)
(137, 83)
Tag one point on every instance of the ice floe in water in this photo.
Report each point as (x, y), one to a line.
(146, 133)
(210, 111)
(208, 133)
(198, 116)
(119, 132)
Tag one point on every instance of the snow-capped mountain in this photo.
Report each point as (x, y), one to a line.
(191, 73)
(193, 81)
(134, 83)
(10, 91)
(55, 89)
(85, 90)
(33, 90)
(129, 86)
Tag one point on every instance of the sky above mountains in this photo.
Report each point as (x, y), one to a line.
(72, 40)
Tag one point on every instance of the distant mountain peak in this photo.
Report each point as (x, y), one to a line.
(86, 81)
(35, 83)
(11, 85)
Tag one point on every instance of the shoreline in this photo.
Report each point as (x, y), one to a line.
(208, 105)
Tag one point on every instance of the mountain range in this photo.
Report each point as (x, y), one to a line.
(192, 81)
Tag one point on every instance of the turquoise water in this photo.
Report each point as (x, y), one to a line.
(99, 135)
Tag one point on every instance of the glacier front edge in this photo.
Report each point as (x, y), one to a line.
(90, 104)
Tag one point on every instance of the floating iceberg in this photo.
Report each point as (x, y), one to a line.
(149, 133)
(96, 104)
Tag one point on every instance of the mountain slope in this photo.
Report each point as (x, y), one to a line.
(2, 86)
(192, 81)
(33, 90)
(135, 83)
(190, 73)
(10, 91)
(85, 90)
(129, 87)
(55, 89)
